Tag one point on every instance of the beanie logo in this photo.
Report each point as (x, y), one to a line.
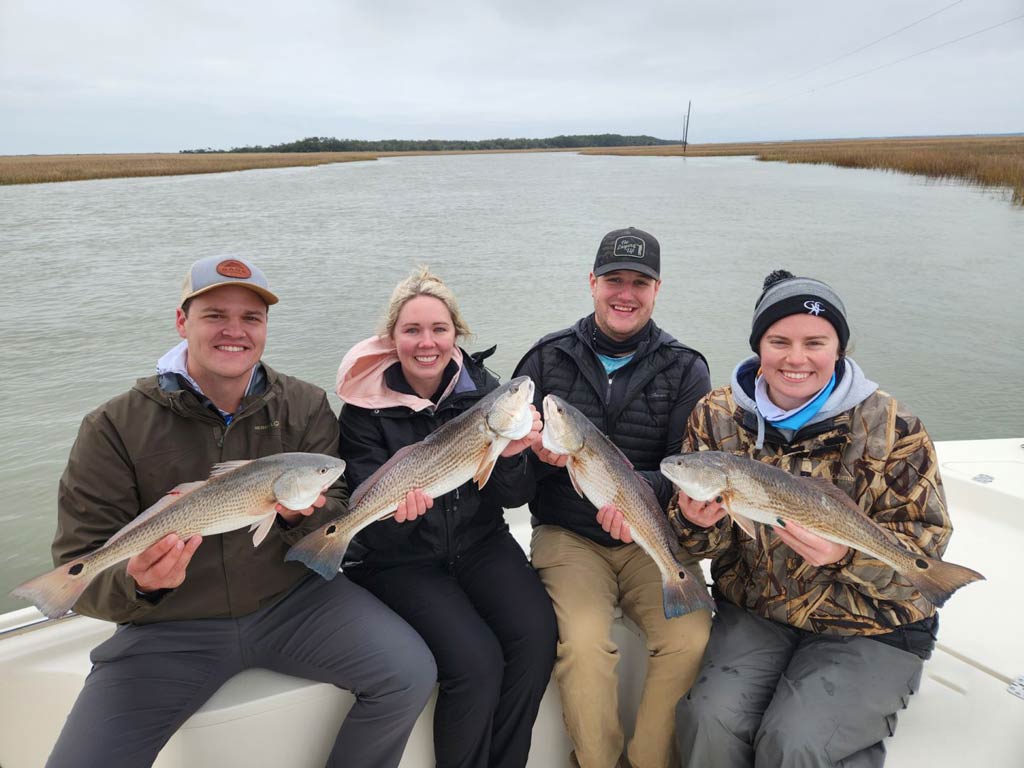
(234, 268)
(630, 246)
(813, 307)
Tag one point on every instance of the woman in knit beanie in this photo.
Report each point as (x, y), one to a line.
(828, 642)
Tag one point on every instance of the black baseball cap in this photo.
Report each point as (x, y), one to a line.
(628, 248)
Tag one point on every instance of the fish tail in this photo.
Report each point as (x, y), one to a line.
(55, 592)
(322, 550)
(937, 580)
(682, 594)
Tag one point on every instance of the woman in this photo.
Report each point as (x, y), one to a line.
(822, 644)
(454, 572)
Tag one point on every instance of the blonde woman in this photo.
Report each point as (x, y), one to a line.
(449, 566)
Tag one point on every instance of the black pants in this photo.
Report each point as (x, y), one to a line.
(489, 623)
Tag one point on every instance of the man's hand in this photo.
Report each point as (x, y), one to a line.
(529, 441)
(416, 503)
(702, 513)
(615, 525)
(549, 457)
(162, 565)
(293, 516)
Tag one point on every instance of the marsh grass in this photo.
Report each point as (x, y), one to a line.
(995, 162)
(37, 169)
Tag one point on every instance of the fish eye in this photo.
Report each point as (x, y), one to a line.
(322, 470)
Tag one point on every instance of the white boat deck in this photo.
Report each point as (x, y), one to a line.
(964, 714)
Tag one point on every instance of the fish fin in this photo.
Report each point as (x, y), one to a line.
(617, 451)
(383, 469)
(745, 524)
(683, 593)
(937, 580)
(833, 491)
(570, 466)
(486, 466)
(162, 503)
(323, 549)
(227, 466)
(262, 528)
(55, 592)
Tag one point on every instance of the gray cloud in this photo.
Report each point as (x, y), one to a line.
(109, 76)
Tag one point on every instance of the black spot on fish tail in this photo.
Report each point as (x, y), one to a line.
(781, 522)
(331, 530)
(76, 569)
(922, 564)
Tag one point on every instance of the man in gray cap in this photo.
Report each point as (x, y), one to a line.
(193, 613)
(638, 385)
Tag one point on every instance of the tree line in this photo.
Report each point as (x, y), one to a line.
(329, 144)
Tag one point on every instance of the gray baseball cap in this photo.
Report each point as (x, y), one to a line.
(628, 248)
(215, 271)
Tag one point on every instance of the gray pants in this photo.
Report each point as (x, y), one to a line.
(147, 680)
(770, 696)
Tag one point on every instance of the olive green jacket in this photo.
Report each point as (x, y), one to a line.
(135, 448)
(879, 455)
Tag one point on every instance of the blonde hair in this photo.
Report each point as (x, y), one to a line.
(422, 282)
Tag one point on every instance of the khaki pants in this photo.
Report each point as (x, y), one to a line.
(586, 582)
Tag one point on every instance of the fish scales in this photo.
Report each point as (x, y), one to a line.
(458, 451)
(238, 494)
(602, 474)
(757, 491)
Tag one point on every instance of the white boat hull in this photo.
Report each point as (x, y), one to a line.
(963, 715)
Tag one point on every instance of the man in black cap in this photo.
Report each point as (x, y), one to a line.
(638, 385)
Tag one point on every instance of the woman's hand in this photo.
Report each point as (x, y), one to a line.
(810, 546)
(531, 440)
(416, 503)
(611, 519)
(702, 513)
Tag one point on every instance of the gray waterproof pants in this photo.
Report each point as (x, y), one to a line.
(147, 680)
(772, 697)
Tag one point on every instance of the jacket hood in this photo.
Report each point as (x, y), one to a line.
(852, 388)
(361, 381)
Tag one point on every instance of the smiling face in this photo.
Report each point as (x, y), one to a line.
(798, 356)
(623, 302)
(226, 329)
(424, 336)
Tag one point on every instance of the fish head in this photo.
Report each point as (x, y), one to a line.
(304, 476)
(563, 429)
(701, 476)
(508, 414)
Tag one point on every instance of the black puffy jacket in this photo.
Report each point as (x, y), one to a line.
(458, 520)
(646, 419)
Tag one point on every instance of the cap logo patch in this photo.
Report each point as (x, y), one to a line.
(234, 268)
(813, 307)
(630, 246)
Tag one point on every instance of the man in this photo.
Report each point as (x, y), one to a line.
(638, 385)
(194, 613)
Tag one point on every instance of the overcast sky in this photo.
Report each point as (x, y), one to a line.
(156, 75)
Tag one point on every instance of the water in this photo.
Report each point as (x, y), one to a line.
(929, 272)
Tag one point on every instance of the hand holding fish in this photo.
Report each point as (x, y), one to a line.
(293, 516)
(702, 513)
(416, 503)
(163, 565)
(531, 440)
(811, 547)
(611, 519)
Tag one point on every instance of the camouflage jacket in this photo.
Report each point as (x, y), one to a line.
(879, 455)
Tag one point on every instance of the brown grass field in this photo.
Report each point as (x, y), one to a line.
(987, 161)
(37, 169)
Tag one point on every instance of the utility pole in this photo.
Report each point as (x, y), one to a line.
(686, 125)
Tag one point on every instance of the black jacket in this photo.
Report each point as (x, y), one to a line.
(458, 520)
(644, 416)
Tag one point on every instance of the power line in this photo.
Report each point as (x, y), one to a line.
(892, 63)
(856, 50)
